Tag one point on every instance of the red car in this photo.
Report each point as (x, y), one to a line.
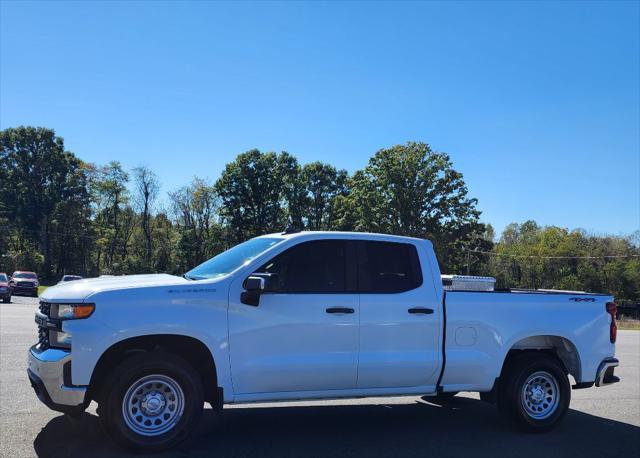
(5, 289)
(24, 282)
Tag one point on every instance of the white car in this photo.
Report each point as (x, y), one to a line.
(310, 315)
(66, 278)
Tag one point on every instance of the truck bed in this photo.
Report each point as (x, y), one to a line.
(481, 327)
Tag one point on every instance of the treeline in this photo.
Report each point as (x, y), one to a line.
(530, 256)
(59, 214)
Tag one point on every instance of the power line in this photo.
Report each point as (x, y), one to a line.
(491, 253)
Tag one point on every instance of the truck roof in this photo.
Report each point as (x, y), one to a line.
(345, 234)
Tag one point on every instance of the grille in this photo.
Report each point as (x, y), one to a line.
(26, 284)
(43, 338)
(43, 333)
(45, 308)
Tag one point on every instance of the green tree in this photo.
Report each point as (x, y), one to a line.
(323, 185)
(196, 217)
(412, 190)
(72, 226)
(530, 256)
(147, 188)
(111, 196)
(38, 179)
(293, 198)
(259, 193)
(165, 239)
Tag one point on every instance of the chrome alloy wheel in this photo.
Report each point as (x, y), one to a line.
(153, 405)
(540, 395)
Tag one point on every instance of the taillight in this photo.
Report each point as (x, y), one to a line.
(613, 328)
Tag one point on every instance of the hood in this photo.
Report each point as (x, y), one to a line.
(78, 290)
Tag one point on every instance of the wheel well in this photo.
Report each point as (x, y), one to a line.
(192, 350)
(559, 347)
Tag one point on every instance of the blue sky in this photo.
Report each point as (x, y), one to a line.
(538, 104)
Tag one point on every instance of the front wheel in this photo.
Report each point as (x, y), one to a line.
(151, 402)
(535, 392)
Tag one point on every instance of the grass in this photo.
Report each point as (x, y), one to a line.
(41, 289)
(629, 325)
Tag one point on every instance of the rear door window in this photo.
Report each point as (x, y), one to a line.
(387, 267)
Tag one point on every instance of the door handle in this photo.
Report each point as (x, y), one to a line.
(339, 310)
(422, 310)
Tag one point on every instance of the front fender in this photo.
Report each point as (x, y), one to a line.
(122, 315)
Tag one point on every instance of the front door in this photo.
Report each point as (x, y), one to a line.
(304, 335)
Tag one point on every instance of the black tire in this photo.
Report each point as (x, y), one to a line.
(158, 366)
(7, 300)
(544, 405)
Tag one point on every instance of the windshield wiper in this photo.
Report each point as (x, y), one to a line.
(187, 277)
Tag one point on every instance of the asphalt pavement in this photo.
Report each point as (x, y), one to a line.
(601, 422)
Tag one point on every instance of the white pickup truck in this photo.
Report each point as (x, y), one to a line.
(308, 315)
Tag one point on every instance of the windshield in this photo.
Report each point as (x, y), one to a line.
(230, 260)
(3, 277)
(24, 275)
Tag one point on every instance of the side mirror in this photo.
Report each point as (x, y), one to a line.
(255, 285)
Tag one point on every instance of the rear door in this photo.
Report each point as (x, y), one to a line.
(400, 319)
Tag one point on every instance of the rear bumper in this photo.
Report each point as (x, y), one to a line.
(605, 376)
(46, 371)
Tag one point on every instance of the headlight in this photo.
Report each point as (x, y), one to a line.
(60, 339)
(72, 311)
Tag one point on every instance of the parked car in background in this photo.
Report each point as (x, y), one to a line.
(67, 278)
(23, 282)
(5, 289)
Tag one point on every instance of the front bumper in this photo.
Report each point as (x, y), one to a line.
(5, 294)
(33, 290)
(605, 376)
(49, 372)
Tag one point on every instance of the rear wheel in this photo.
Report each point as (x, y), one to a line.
(151, 402)
(535, 392)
